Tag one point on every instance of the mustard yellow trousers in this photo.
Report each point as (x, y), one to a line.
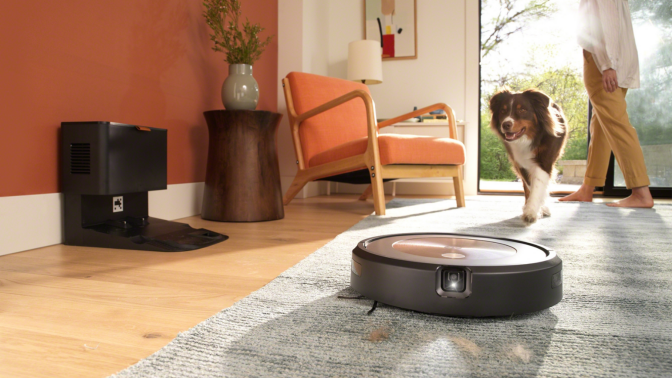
(610, 130)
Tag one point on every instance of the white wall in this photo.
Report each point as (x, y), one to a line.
(290, 58)
(303, 47)
(446, 69)
(316, 36)
(437, 75)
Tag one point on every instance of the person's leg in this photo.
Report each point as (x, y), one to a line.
(612, 116)
(622, 137)
(598, 150)
(596, 168)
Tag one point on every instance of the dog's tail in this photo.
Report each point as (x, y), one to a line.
(561, 126)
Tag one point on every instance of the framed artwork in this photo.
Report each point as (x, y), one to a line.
(394, 24)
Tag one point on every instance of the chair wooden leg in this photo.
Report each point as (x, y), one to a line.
(378, 195)
(366, 194)
(294, 189)
(459, 188)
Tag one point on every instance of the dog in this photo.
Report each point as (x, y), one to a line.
(533, 130)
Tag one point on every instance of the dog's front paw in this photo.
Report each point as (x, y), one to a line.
(545, 211)
(529, 216)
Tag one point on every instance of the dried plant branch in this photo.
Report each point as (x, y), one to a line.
(240, 46)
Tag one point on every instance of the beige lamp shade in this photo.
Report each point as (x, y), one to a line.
(365, 62)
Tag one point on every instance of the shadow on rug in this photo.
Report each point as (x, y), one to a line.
(614, 319)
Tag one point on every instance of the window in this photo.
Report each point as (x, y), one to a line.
(531, 44)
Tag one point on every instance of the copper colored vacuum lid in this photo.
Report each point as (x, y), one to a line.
(456, 250)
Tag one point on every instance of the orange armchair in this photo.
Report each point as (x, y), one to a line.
(335, 134)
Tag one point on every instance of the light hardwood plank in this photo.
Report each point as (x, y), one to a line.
(37, 354)
(82, 312)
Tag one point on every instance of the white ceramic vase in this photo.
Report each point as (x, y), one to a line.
(240, 90)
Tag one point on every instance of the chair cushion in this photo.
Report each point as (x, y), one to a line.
(333, 127)
(399, 149)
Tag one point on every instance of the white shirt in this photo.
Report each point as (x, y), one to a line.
(605, 30)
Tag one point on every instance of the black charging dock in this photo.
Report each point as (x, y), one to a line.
(107, 170)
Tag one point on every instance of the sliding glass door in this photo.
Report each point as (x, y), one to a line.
(532, 44)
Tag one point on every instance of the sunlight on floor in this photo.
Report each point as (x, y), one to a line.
(508, 186)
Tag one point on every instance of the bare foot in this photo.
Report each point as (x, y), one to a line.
(584, 194)
(640, 198)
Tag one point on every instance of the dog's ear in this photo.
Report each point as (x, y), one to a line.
(496, 104)
(545, 111)
(497, 98)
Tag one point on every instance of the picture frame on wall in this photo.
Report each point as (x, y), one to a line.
(393, 23)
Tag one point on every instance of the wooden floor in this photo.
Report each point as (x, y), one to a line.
(90, 312)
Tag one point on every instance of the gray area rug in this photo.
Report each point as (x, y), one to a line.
(615, 319)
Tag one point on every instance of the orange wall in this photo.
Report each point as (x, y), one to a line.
(142, 62)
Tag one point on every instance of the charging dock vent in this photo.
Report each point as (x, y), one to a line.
(80, 158)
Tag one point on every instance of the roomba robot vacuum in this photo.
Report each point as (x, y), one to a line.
(456, 274)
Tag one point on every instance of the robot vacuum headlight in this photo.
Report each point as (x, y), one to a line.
(454, 280)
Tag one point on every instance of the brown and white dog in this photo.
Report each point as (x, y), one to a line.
(534, 133)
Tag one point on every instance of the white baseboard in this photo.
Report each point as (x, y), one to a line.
(178, 201)
(29, 222)
(312, 189)
(428, 187)
(421, 187)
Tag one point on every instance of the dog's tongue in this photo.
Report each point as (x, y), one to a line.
(513, 136)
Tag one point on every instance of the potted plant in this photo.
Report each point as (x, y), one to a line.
(241, 44)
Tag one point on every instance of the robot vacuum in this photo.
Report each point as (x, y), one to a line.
(456, 274)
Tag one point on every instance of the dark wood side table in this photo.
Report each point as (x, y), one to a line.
(242, 181)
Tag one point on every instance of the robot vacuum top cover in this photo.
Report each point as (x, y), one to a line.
(456, 274)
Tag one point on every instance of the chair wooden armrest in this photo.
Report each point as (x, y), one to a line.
(334, 103)
(372, 128)
(449, 113)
